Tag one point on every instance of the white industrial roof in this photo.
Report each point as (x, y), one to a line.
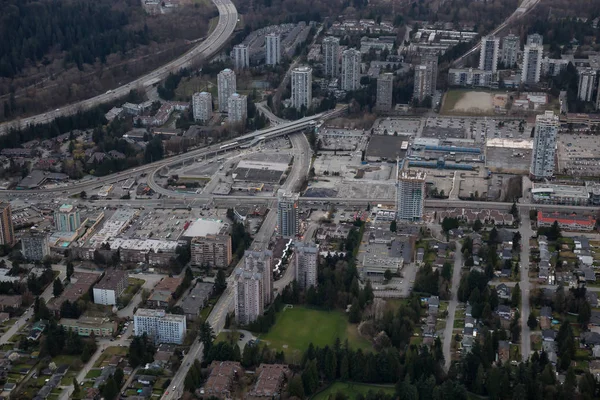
(204, 227)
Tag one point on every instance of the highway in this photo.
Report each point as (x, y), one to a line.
(524, 8)
(90, 184)
(228, 18)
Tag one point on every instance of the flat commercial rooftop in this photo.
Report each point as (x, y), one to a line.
(257, 175)
(510, 143)
(113, 226)
(143, 244)
(274, 166)
(204, 227)
(386, 146)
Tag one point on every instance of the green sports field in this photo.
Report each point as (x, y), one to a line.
(297, 327)
(351, 390)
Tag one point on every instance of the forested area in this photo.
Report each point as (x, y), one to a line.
(84, 30)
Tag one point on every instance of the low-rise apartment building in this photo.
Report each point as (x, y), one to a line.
(160, 326)
(110, 287)
(85, 326)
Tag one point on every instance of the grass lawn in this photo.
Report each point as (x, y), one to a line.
(297, 327)
(74, 362)
(94, 373)
(450, 99)
(228, 337)
(351, 390)
(416, 340)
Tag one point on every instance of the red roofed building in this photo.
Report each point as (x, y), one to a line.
(566, 221)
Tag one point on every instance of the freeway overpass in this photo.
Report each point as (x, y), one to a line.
(209, 151)
(228, 18)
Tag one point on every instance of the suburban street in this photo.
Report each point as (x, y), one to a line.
(46, 295)
(456, 274)
(526, 233)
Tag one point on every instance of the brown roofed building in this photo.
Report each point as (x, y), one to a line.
(271, 378)
(163, 292)
(81, 283)
(7, 231)
(8, 302)
(168, 284)
(220, 381)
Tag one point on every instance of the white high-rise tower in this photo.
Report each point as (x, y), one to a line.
(273, 48)
(544, 146)
(350, 69)
(301, 87)
(226, 86)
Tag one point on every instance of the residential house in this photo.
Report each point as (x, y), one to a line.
(550, 348)
(469, 322)
(546, 312)
(467, 344)
(420, 256)
(469, 311)
(429, 331)
(504, 312)
(595, 369)
(549, 335)
(504, 292)
(433, 303)
(595, 318)
(590, 339)
(146, 379)
(503, 351)
(596, 351)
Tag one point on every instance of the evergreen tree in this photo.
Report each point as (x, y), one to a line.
(220, 281)
(70, 270)
(207, 336)
(110, 389)
(295, 388)
(57, 288)
(515, 299)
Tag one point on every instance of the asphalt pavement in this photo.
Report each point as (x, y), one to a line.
(526, 233)
(448, 336)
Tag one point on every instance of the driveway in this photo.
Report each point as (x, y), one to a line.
(248, 336)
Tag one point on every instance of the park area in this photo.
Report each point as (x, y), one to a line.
(351, 390)
(296, 327)
(468, 102)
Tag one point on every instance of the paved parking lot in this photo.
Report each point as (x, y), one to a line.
(404, 126)
(478, 128)
(578, 155)
(342, 139)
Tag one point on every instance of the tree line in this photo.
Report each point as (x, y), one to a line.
(85, 31)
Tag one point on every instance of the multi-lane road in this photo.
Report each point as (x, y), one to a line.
(228, 18)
